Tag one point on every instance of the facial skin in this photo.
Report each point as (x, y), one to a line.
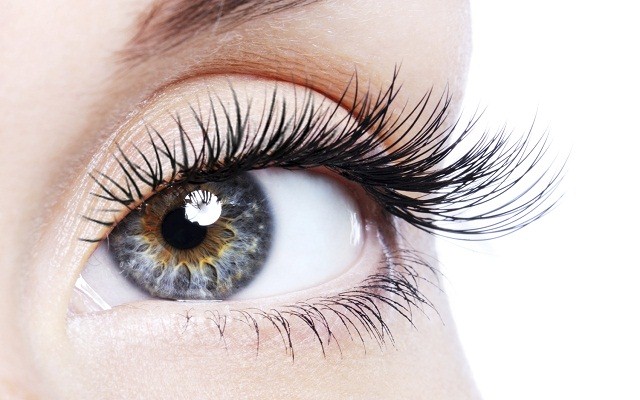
(72, 78)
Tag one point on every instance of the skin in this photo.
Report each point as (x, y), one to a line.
(64, 95)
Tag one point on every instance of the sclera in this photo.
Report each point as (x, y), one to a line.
(206, 109)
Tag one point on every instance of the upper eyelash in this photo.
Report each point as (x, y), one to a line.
(405, 177)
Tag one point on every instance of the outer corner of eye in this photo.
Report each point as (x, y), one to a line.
(256, 235)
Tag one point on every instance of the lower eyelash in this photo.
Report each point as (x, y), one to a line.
(361, 311)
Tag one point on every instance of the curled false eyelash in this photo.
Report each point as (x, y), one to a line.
(401, 160)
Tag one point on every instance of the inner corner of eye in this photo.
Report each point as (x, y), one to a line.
(259, 234)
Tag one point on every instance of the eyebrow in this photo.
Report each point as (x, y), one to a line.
(169, 23)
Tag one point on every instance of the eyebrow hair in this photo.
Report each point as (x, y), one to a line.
(169, 23)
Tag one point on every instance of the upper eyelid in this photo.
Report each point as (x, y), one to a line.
(123, 142)
(373, 107)
(406, 177)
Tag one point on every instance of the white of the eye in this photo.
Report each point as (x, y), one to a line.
(317, 234)
(202, 207)
(105, 283)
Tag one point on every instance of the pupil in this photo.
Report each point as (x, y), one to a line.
(181, 233)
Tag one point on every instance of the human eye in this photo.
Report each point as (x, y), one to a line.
(247, 199)
(195, 199)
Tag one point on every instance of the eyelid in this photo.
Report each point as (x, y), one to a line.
(406, 176)
(358, 307)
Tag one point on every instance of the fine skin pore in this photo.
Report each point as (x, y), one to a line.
(71, 77)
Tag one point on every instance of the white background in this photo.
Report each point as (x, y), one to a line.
(552, 312)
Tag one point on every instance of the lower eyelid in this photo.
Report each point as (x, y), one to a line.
(362, 307)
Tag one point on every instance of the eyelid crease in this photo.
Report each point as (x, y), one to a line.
(397, 157)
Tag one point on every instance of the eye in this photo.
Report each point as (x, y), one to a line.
(257, 234)
(293, 210)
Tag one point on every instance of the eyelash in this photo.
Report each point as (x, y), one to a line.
(395, 285)
(404, 178)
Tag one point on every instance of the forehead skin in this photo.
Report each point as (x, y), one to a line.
(68, 79)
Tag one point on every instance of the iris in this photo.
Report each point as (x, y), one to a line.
(170, 255)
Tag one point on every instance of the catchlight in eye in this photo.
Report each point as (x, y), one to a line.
(202, 207)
